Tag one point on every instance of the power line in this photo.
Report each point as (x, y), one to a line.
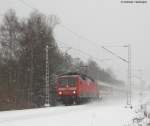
(85, 53)
(68, 29)
(115, 54)
(80, 36)
(74, 33)
(28, 5)
(76, 49)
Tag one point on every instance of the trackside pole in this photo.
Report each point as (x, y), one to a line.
(129, 84)
(47, 95)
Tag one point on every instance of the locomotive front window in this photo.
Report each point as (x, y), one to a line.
(63, 81)
(70, 81)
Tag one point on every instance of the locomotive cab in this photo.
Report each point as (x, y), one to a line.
(76, 88)
(67, 88)
(66, 85)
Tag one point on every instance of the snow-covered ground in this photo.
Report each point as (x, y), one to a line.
(104, 113)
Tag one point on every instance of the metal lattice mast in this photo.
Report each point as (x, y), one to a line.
(129, 95)
(129, 84)
(47, 97)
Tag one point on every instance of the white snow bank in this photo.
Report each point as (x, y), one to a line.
(93, 114)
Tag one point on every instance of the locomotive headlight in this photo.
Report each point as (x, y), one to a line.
(74, 92)
(60, 92)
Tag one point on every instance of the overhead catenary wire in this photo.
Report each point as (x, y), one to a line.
(83, 52)
(68, 29)
(77, 35)
(65, 27)
(28, 5)
(115, 54)
(80, 36)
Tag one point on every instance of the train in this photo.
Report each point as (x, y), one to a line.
(76, 88)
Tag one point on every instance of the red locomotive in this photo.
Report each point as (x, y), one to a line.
(76, 88)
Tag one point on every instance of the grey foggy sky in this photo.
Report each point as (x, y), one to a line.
(106, 22)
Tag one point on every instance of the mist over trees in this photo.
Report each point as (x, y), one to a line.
(98, 73)
(22, 60)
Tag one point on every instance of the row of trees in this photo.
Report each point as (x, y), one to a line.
(22, 60)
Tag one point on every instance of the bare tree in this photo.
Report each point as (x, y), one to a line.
(9, 39)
